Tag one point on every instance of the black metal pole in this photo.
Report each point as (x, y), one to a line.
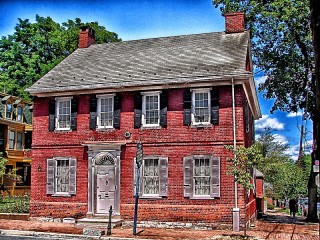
(109, 224)
(136, 203)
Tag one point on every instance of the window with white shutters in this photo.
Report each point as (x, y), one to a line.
(61, 176)
(153, 181)
(201, 176)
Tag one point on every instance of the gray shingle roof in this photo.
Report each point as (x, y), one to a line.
(148, 62)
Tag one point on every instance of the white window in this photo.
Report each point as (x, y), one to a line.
(200, 106)
(150, 176)
(105, 111)
(61, 176)
(151, 109)
(153, 178)
(19, 140)
(201, 176)
(63, 111)
(12, 139)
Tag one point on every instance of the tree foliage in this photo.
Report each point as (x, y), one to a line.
(281, 47)
(285, 45)
(35, 48)
(288, 180)
(242, 164)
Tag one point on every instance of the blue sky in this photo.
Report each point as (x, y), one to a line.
(138, 19)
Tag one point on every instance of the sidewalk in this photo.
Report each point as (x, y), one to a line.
(272, 226)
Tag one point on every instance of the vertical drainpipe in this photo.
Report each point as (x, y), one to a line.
(235, 210)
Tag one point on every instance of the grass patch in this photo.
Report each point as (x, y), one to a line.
(14, 204)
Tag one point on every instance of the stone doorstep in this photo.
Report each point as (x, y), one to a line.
(99, 222)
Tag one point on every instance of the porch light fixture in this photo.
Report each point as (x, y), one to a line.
(39, 168)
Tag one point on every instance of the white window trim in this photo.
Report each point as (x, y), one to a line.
(143, 167)
(200, 90)
(143, 119)
(194, 184)
(61, 99)
(99, 97)
(56, 177)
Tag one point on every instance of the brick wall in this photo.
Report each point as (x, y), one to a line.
(175, 142)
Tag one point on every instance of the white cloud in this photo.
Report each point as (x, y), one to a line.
(260, 80)
(293, 114)
(280, 138)
(267, 122)
(293, 151)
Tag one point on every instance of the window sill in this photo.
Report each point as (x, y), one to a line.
(151, 197)
(150, 127)
(202, 198)
(105, 129)
(66, 195)
(62, 130)
(205, 125)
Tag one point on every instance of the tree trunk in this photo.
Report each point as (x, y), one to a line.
(312, 188)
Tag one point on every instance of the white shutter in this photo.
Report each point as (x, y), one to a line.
(215, 176)
(163, 177)
(72, 175)
(50, 175)
(188, 176)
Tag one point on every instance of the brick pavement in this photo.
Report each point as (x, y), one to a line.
(273, 226)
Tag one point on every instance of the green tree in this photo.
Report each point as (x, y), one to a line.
(282, 47)
(288, 180)
(241, 168)
(35, 48)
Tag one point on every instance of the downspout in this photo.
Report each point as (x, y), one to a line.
(236, 214)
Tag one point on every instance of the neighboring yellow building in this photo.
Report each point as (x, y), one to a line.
(15, 143)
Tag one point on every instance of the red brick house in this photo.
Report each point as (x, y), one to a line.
(180, 96)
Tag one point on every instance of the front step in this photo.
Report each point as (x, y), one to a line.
(99, 222)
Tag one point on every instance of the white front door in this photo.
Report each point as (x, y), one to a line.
(105, 189)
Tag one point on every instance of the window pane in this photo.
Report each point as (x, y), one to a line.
(152, 109)
(106, 112)
(11, 139)
(201, 107)
(151, 176)
(201, 176)
(62, 176)
(64, 110)
(19, 141)
(8, 110)
(19, 118)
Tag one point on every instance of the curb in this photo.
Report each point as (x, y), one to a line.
(59, 236)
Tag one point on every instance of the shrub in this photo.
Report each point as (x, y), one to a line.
(14, 204)
(270, 206)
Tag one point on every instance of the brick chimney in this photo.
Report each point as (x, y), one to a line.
(234, 22)
(86, 37)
